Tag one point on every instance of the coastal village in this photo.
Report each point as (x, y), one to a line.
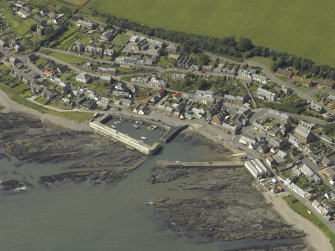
(282, 121)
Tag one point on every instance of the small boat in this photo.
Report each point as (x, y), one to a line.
(136, 126)
(144, 138)
(23, 188)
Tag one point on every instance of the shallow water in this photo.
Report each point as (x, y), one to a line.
(82, 217)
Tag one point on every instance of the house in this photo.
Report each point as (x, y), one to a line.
(44, 12)
(107, 79)
(3, 44)
(78, 47)
(134, 39)
(40, 29)
(326, 83)
(126, 60)
(35, 88)
(247, 141)
(326, 161)
(49, 74)
(287, 90)
(18, 47)
(316, 107)
(215, 108)
(122, 94)
(83, 78)
(230, 129)
(13, 61)
(303, 81)
(109, 70)
(48, 95)
(108, 52)
(303, 134)
(66, 101)
(103, 103)
(120, 86)
(207, 68)
(199, 113)
(205, 94)
(271, 162)
(282, 154)
(157, 82)
(162, 92)
(107, 35)
(263, 148)
(32, 58)
(19, 4)
(144, 110)
(24, 14)
(236, 100)
(86, 24)
(260, 78)
(61, 69)
(218, 119)
(285, 73)
(94, 50)
(298, 190)
(308, 172)
(266, 94)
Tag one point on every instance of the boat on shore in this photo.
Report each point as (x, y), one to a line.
(136, 126)
(152, 127)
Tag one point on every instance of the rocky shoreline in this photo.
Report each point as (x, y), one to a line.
(86, 157)
(227, 207)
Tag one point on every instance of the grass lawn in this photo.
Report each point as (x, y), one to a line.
(299, 208)
(68, 38)
(21, 88)
(71, 59)
(75, 116)
(121, 39)
(19, 25)
(303, 28)
(75, 2)
(261, 60)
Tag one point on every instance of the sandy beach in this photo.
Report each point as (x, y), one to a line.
(51, 120)
(315, 238)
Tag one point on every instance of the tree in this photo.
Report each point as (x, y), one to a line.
(245, 44)
(49, 30)
(33, 27)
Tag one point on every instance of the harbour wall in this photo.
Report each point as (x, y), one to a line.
(125, 139)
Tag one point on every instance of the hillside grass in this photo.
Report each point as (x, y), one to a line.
(299, 208)
(303, 28)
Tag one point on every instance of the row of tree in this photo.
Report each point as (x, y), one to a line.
(238, 49)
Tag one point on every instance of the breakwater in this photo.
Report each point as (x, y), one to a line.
(209, 164)
(173, 132)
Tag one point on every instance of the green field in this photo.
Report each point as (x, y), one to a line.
(301, 27)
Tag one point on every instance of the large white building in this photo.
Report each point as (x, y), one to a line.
(257, 168)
